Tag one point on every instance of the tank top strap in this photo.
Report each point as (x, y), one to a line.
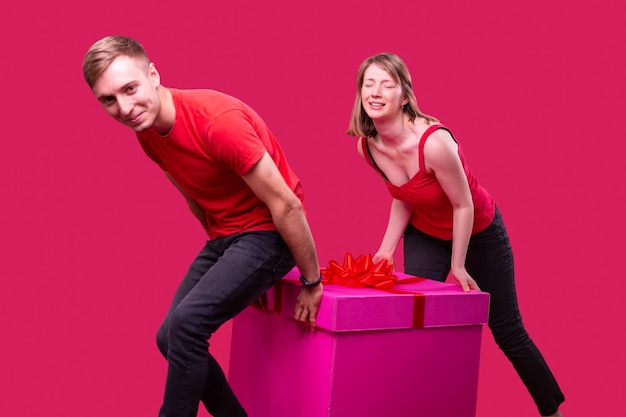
(370, 158)
(425, 136)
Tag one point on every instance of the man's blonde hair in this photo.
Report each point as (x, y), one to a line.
(103, 52)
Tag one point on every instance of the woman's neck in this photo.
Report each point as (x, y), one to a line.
(401, 133)
(393, 131)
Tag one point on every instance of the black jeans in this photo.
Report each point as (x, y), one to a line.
(490, 262)
(225, 278)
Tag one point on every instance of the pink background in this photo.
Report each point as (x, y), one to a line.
(94, 239)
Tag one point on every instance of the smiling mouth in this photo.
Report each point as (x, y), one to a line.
(135, 120)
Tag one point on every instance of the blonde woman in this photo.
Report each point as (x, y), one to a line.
(449, 222)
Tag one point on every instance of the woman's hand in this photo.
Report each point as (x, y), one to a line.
(464, 279)
(379, 256)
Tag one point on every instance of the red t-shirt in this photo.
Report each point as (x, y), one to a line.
(215, 140)
(432, 210)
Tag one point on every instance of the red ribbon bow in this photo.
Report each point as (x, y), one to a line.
(360, 272)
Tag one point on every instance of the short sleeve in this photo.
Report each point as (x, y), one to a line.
(234, 140)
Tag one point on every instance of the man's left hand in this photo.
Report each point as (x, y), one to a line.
(308, 304)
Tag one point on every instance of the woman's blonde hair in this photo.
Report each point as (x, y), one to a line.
(103, 52)
(361, 125)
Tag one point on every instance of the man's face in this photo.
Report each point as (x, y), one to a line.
(127, 90)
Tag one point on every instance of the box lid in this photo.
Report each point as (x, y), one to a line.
(422, 304)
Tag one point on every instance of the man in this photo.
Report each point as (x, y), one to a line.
(234, 176)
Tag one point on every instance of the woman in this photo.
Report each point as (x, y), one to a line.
(450, 223)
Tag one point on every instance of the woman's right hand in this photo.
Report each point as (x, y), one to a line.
(379, 256)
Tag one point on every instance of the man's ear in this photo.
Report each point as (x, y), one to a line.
(154, 75)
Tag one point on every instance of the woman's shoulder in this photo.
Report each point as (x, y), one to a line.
(359, 145)
(435, 132)
(439, 146)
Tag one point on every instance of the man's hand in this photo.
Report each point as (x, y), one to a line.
(307, 304)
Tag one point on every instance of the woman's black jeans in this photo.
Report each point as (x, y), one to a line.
(490, 262)
(225, 278)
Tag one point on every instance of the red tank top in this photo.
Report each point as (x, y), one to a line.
(432, 210)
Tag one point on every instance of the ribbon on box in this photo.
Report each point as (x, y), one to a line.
(362, 272)
(359, 273)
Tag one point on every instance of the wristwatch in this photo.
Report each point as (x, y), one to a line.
(309, 284)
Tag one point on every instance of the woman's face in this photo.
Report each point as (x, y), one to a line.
(381, 96)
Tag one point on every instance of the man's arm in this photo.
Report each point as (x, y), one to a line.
(193, 204)
(288, 216)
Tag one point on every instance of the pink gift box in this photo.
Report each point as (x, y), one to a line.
(412, 350)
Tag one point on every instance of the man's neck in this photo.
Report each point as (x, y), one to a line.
(167, 115)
